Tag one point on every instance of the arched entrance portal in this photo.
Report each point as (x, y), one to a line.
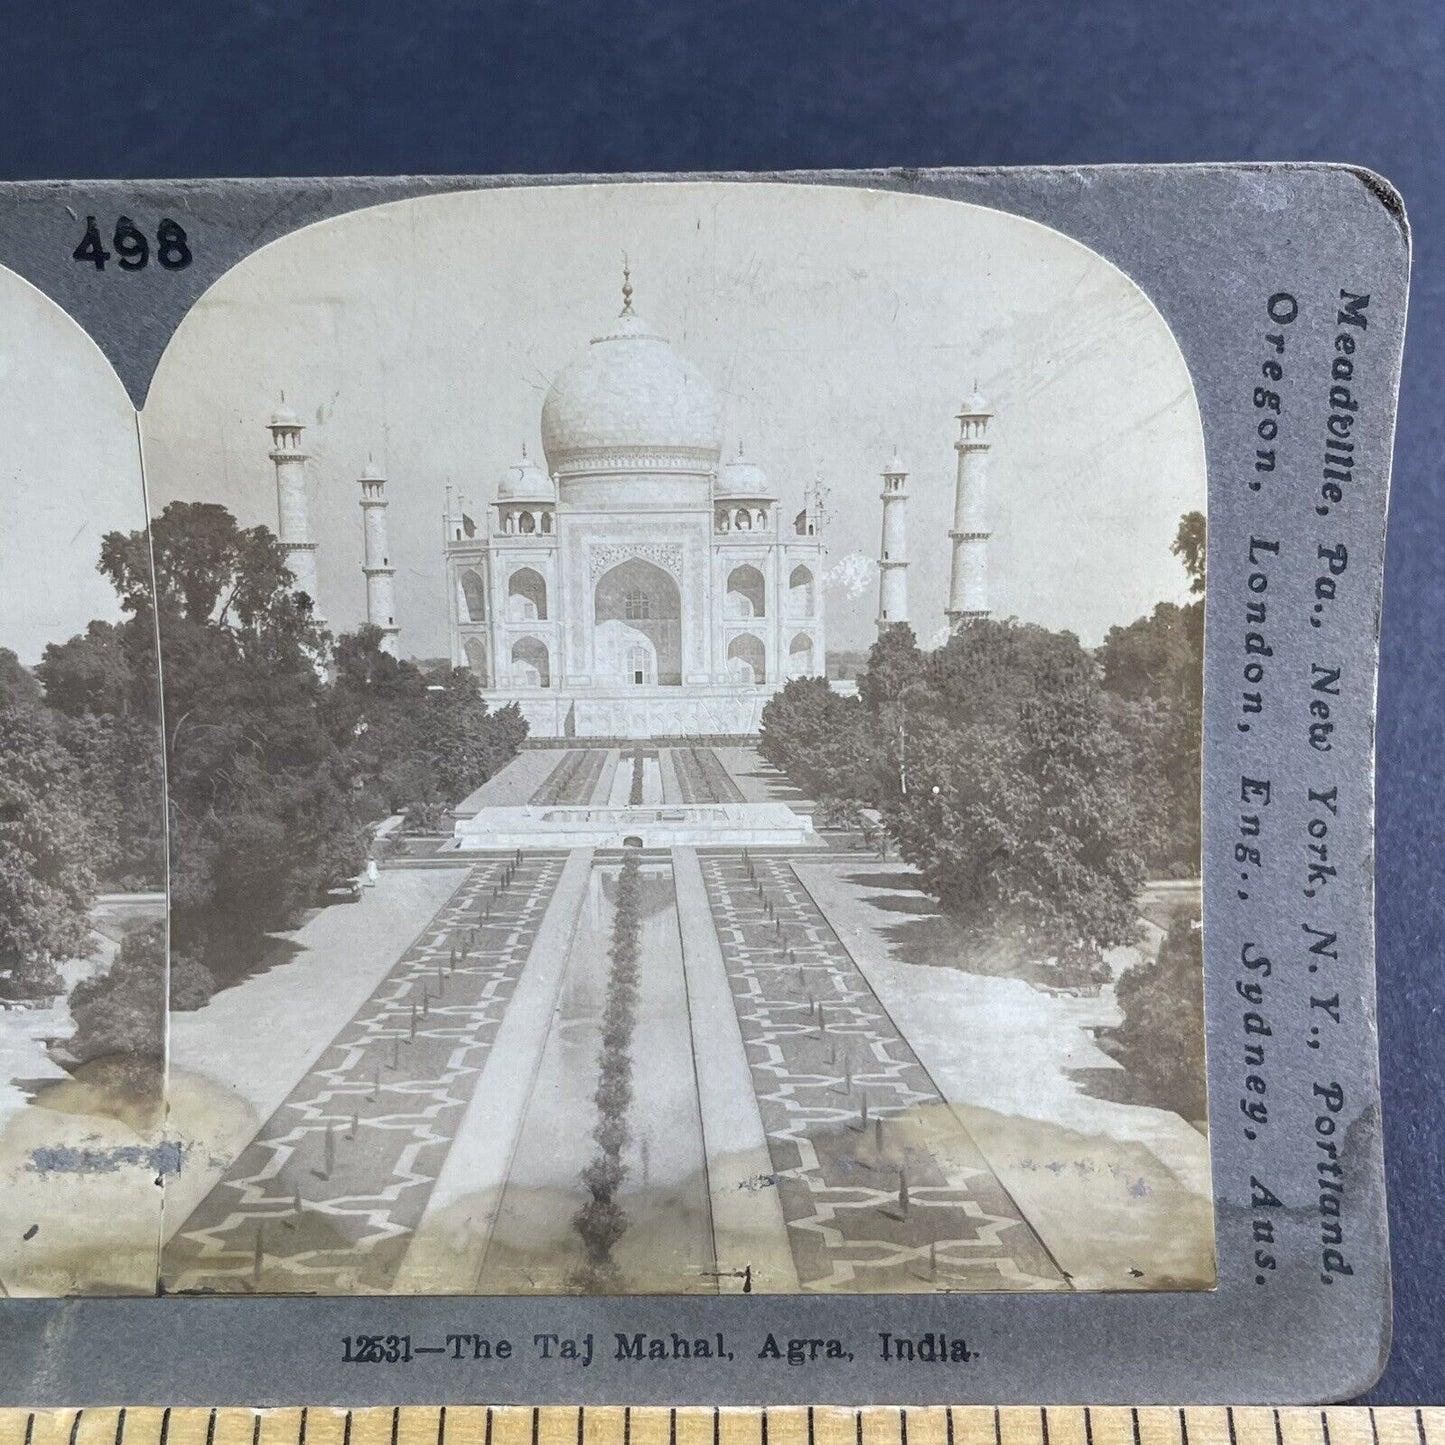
(637, 612)
(474, 595)
(746, 593)
(747, 659)
(530, 664)
(526, 596)
(476, 652)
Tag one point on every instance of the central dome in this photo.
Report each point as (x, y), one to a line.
(630, 403)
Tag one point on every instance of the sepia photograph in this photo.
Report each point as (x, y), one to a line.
(82, 824)
(683, 709)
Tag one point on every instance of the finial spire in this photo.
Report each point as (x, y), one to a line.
(626, 286)
(524, 451)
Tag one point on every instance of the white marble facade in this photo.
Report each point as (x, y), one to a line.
(638, 586)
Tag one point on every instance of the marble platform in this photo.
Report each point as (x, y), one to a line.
(759, 825)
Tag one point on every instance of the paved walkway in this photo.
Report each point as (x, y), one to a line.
(759, 781)
(326, 1197)
(1119, 1192)
(515, 783)
(882, 1188)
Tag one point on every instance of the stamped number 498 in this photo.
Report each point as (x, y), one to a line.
(132, 247)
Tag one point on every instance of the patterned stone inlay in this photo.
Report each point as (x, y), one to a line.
(325, 1199)
(603, 556)
(881, 1187)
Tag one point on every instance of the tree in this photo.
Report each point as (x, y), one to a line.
(890, 686)
(260, 791)
(196, 564)
(18, 689)
(419, 743)
(95, 672)
(1020, 816)
(120, 1015)
(1156, 665)
(1161, 1038)
(1189, 547)
(825, 742)
(46, 883)
(103, 684)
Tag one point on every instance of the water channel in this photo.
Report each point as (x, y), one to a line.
(668, 1246)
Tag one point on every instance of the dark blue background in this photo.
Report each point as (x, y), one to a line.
(206, 88)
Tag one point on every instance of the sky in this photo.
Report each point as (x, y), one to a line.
(836, 324)
(70, 463)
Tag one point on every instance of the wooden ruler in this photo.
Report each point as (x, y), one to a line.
(742, 1425)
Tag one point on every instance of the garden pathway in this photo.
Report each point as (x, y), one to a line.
(881, 1186)
(325, 1198)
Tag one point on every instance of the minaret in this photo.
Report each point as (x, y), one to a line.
(893, 563)
(968, 583)
(293, 523)
(380, 599)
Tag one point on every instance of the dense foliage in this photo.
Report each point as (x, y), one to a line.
(278, 748)
(1009, 788)
(1161, 1039)
(1034, 784)
(120, 1014)
(46, 881)
(1157, 665)
(418, 743)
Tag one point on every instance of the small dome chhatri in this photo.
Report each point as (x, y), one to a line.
(975, 405)
(630, 403)
(525, 481)
(739, 477)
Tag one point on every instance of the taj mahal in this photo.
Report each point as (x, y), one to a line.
(640, 881)
(639, 585)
